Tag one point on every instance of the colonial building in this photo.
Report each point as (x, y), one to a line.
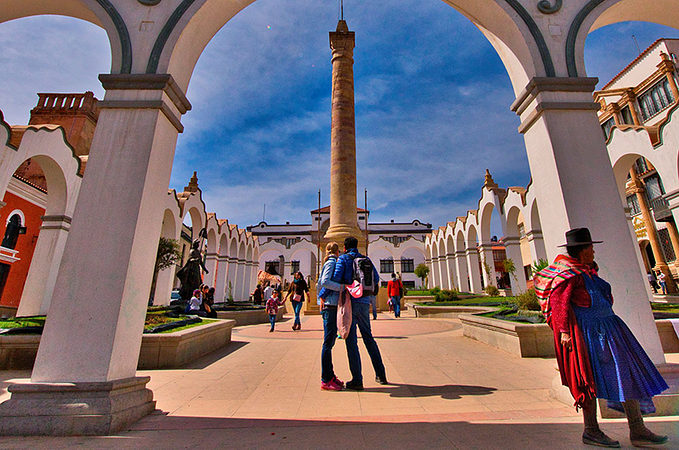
(392, 246)
(642, 99)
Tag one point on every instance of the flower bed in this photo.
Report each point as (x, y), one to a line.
(249, 316)
(158, 351)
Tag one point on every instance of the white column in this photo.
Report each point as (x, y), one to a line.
(487, 256)
(575, 187)
(537, 245)
(106, 271)
(211, 266)
(513, 250)
(443, 272)
(452, 270)
(222, 274)
(474, 272)
(428, 263)
(462, 273)
(164, 285)
(239, 282)
(232, 276)
(246, 280)
(42, 275)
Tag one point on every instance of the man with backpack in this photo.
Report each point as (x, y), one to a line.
(352, 266)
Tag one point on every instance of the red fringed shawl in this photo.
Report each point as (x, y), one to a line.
(559, 285)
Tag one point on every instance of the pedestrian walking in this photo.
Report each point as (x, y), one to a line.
(272, 304)
(662, 280)
(298, 289)
(394, 291)
(328, 297)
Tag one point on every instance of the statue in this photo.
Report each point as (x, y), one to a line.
(190, 275)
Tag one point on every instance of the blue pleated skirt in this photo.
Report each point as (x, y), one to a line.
(621, 368)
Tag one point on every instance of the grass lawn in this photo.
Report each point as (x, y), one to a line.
(191, 325)
(417, 293)
(671, 308)
(37, 321)
(474, 301)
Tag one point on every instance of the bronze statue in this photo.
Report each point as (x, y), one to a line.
(190, 275)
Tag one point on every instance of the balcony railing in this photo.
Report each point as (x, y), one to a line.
(661, 209)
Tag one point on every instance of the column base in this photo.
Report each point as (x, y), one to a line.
(72, 409)
(666, 404)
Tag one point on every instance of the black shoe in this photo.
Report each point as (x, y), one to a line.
(353, 386)
(381, 380)
(599, 439)
(647, 439)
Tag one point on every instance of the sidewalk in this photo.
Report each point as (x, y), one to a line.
(263, 391)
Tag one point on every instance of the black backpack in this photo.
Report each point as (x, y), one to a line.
(363, 273)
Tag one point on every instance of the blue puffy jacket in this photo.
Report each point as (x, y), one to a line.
(328, 290)
(344, 272)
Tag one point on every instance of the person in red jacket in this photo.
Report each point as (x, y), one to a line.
(394, 290)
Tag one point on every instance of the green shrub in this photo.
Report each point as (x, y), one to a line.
(528, 301)
(445, 296)
(434, 291)
(492, 290)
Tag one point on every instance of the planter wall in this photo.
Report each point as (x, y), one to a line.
(158, 351)
(249, 317)
(668, 337)
(448, 312)
(525, 340)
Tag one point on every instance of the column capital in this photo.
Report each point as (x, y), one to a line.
(538, 96)
(172, 101)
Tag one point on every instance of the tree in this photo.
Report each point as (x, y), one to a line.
(539, 265)
(421, 272)
(169, 253)
(510, 268)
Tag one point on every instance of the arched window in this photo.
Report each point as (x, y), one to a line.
(12, 232)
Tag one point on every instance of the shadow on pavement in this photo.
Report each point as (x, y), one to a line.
(447, 391)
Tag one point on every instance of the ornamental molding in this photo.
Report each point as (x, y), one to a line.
(149, 2)
(546, 7)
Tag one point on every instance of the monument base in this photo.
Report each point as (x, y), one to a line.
(72, 409)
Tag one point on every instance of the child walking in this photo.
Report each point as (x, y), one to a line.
(272, 304)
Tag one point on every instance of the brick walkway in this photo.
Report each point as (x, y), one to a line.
(263, 391)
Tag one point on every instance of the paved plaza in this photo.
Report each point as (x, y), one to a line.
(263, 391)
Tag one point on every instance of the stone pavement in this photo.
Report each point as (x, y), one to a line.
(263, 391)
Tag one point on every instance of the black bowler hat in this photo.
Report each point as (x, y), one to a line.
(579, 236)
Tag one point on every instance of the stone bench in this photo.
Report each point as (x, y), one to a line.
(249, 317)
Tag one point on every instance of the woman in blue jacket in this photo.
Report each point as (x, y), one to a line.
(328, 296)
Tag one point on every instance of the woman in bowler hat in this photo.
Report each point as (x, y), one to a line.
(597, 354)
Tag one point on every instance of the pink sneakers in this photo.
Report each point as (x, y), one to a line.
(333, 385)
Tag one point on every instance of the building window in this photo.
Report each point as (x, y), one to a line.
(383, 284)
(290, 242)
(12, 232)
(272, 267)
(633, 204)
(409, 284)
(626, 115)
(655, 99)
(654, 187)
(606, 127)
(294, 266)
(499, 255)
(407, 265)
(642, 166)
(4, 271)
(386, 265)
(666, 244)
(522, 231)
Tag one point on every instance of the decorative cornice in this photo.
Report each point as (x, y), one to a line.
(573, 35)
(149, 2)
(537, 35)
(123, 35)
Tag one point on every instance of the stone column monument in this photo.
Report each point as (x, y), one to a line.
(343, 221)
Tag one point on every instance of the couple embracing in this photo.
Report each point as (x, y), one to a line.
(337, 273)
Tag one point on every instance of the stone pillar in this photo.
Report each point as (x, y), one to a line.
(83, 381)
(211, 266)
(164, 284)
(487, 257)
(428, 263)
(435, 276)
(639, 189)
(537, 245)
(239, 282)
(630, 96)
(452, 271)
(231, 276)
(42, 275)
(474, 272)
(575, 187)
(222, 274)
(443, 272)
(343, 222)
(513, 251)
(667, 67)
(462, 272)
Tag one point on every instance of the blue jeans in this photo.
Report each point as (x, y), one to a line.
(373, 302)
(329, 315)
(272, 319)
(396, 303)
(297, 307)
(361, 318)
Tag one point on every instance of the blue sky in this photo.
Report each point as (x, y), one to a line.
(432, 104)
